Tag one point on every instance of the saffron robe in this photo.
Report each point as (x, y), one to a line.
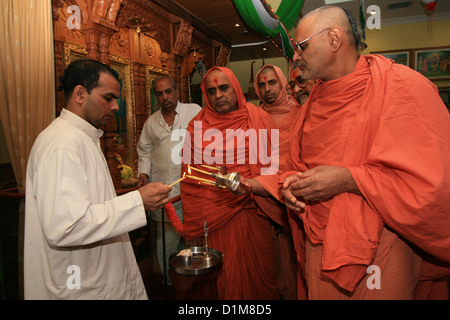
(237, 228)
(282, 111)
(271, 184)
(387, 124)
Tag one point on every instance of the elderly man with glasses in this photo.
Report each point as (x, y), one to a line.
(369, 175)
(298, 87)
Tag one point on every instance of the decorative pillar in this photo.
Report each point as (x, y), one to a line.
(111, 127)
(103, 47)
(91, 37)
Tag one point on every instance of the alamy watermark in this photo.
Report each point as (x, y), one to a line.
(74, 280)
(374, 280)
(374, 20)
(235, 147)
(74, 20)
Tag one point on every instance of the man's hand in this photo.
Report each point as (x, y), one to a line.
(155, 195)
(143, 178)
(320, 183)
(244, 187)
(290, 199)
(254, 186)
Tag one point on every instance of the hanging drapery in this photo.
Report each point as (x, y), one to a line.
(260, 16)
(27, 80)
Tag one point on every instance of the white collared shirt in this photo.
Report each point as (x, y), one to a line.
(156, 149)
(76, 242)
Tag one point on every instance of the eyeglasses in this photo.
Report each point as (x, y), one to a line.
(301, 83)
(301, 45)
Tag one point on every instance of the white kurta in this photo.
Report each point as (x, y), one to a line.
(159, 144)
(76, 242)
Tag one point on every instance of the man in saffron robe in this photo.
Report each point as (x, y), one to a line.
(237, 228)
(298, 87)
(270, 87)
(266, 189)
(369, 158)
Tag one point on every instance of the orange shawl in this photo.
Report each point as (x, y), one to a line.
(389, 127)
(284, 103)
(206, 203)
(276, 207)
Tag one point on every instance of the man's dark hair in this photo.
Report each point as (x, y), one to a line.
(85, 72)
(356, 31)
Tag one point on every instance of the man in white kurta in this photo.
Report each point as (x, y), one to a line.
(76, 242)
(159, 151)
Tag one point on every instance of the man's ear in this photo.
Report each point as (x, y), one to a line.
(79, 94)
(335, 37)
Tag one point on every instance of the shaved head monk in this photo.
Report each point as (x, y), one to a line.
(270, 87)
(237, 227)
(369, 168)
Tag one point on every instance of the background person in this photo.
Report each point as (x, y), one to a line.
(265, 189)
(155, 151)
(270, 87)
(298, 87)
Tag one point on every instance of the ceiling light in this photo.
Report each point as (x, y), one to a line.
(237, 24)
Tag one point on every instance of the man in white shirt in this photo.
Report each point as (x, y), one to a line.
(159, 150)
(76, 242)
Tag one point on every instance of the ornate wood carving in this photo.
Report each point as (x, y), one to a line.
(223, 56)
(92, 36)
(103, 47)
(106, 10)
(152, 19)
(165, 44)
(59, 70)
(184, 39)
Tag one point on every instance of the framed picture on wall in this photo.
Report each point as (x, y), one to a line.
(399, 56)
(444, 93)
(433, 63)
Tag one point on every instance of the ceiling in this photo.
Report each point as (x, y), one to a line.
(222, 16)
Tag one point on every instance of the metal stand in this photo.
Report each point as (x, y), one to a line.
(164, 252)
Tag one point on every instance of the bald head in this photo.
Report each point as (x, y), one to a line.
(327, 41)
(327, 16)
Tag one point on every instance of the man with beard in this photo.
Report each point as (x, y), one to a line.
(298, 87)
(270, 87)
(76, 242)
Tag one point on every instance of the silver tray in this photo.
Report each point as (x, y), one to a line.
(197, 264)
